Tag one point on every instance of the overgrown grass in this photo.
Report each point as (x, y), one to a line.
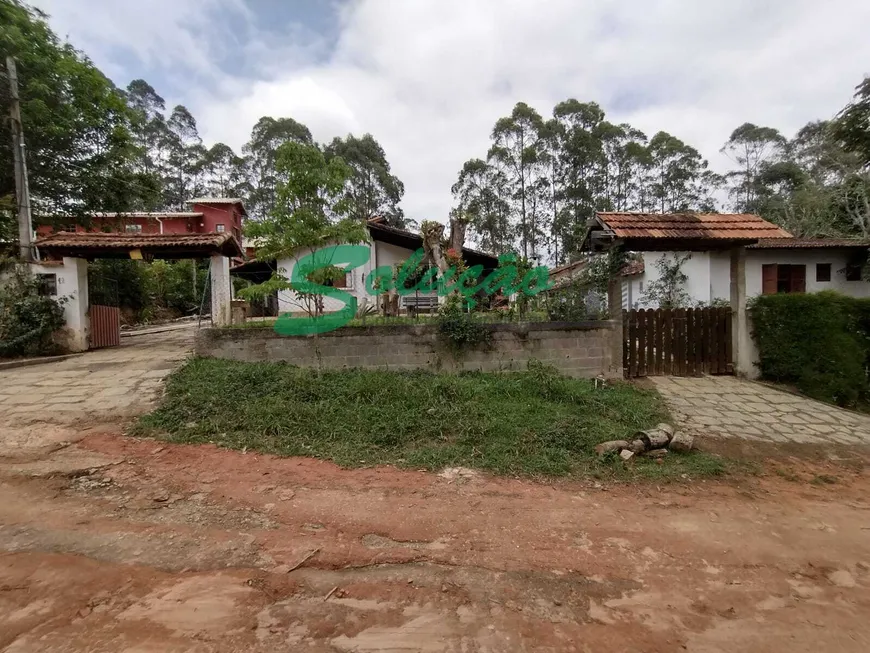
(533, 423)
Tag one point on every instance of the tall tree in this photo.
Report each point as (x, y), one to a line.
(261, 158)
(80, 151)
(751, 147)
(372, 189)
(479, 195)
(852, 126)
(185, 160)
(516, 148)
(678, 171)
(225, 172)
(310, 212)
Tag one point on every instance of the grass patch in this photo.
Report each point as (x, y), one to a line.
(534, 423)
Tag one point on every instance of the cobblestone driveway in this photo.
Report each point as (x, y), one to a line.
(107, 383)
(724, 406)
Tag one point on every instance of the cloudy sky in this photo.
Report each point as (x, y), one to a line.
(428, 78)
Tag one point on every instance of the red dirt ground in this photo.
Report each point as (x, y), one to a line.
(116, 544)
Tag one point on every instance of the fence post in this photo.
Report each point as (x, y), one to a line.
(614, 308)
(742, 348)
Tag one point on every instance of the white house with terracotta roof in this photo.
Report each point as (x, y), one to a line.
(776, 262)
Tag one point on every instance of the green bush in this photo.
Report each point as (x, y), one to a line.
(818, 342)
(569, 304)
(27, 318)
(461, 330)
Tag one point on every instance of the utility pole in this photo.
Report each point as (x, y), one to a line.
(22, 192)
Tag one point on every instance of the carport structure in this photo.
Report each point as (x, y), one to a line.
(66, 256)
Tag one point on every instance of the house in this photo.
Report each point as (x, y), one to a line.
(388, 246)
(775, 260)
(207, 215)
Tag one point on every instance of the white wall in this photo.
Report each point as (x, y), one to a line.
(381, 254)
(289, 301)
(72, 286)
(699, 285)
(838, 259)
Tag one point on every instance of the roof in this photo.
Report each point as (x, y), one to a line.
(113, 245)
(667, 231)
(632, 268)
(808, 243)
(219, 200)
(410, 240)
(151, 214)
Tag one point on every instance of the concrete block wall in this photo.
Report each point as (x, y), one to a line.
(579, 349)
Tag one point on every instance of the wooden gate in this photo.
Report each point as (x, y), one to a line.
(105, 326)
(677, 342)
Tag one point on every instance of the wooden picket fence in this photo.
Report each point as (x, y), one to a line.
(677, 342)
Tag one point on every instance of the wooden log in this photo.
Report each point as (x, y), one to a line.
(667, 428)
(654, 438)
(681, 442)
(613, 445)
(637, 446)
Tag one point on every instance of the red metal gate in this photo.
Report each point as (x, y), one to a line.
(105, 326)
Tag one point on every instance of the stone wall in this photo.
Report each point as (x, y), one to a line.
(581, 349)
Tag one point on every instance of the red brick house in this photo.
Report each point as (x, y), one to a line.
(207, 215)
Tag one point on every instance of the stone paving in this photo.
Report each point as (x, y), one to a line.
(725, 406)
(107, 384)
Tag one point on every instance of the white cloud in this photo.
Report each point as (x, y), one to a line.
(429, 78)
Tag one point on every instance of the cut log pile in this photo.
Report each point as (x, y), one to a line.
(653, 443)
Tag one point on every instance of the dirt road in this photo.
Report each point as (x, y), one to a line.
(114, 544)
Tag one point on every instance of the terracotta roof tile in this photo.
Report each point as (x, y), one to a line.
(66, 240)
(807, 243)
(632, 268)
(690, 226)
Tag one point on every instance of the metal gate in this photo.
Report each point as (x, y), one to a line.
(677, 342)
(104, 315)
(105, 322)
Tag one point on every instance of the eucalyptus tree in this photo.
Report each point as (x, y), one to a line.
(260, 154)
(479, 193)
(516, 149)
(372, 189)
(751, 147)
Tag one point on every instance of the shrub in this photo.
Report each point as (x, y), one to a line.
(818, 342)
(460, 329)
(574, 303)
(27, 318)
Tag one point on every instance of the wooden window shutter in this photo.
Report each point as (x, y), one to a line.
(768, 279)
(798, 278)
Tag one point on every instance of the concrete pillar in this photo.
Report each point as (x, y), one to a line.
(614, 308)
(743, 351)
(71, 282)
(221, 291)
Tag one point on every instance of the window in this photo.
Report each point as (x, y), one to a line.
(823, 272)
(341, 282)
(853, 272)
(220, 228)
(47, 284)
(133, 228)
(783, 278)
